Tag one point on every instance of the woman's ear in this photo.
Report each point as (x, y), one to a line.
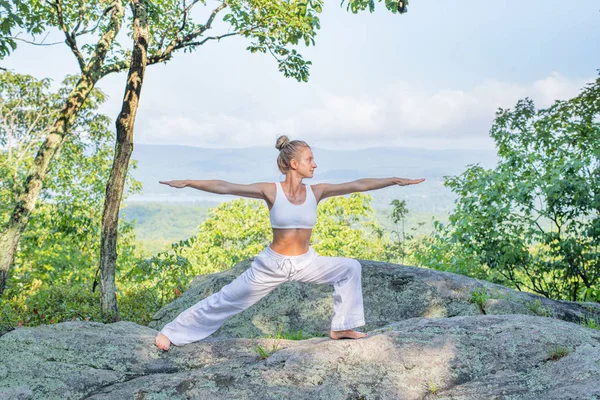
(294, 163)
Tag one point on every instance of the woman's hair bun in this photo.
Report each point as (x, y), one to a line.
(282, 141)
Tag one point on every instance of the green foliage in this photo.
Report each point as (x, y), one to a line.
(442, 252)
(61, 303)
(479, 297)
(162, 277)
(538, 309)
(590, 293)
(347, 227)
(15, 14)
(27, 109)
(235, 231)
(591, 322)
(534, 219)
(157, 225)
(272, 26)
(84, 21)
(398, 216)
(60, 244)
(395, 6)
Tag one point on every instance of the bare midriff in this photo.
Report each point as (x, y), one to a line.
(291, 241)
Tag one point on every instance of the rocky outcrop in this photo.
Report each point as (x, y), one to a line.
(466, 357)
(427, 339)
(391, 293)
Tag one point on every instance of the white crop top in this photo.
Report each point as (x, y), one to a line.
(287, 215)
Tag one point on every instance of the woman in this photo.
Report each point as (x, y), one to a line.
(293, 213)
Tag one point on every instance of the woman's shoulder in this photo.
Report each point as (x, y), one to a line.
(317, 190)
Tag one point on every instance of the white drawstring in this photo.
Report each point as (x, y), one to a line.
(291, 269)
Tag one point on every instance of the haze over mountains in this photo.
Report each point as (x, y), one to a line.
(246, 165)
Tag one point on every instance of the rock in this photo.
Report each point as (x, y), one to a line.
(499, 306)
(464, 357)
(428, 339)
(391, 293)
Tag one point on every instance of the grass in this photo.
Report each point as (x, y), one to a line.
(265, 352)
(479, 297)
(276, 338)
(558, 352)
(590, 322)
(538, 309)
(432, 387)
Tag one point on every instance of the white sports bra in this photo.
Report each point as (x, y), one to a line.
(287, 215)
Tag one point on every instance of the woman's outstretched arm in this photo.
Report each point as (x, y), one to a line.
(324, 190)
(253, 190)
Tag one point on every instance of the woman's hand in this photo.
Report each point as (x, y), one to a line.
(404, 182)
(175, 184)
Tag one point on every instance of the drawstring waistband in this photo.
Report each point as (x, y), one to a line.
(291, 269)
(292, 261)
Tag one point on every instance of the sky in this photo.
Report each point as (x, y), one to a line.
(432, 78)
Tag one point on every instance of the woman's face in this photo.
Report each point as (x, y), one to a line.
(305, 163)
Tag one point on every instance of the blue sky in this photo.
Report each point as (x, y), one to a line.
(431, 78)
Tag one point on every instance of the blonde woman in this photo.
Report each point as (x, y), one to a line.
(289, 257)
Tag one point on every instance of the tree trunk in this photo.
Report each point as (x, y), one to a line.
(123, 150)
(11, 233)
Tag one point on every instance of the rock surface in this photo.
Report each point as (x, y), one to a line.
(426, 340)
(467, 357)
(391, 293)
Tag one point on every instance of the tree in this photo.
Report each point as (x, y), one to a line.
(74, 22)
(535, 218)
(123, 149)
(272, 26)
(58, 252)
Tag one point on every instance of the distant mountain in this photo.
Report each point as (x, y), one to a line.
(246, 165)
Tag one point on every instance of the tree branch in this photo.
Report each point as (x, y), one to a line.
(70, 38)
(180, 41)
(81, 9)
(34, 43)
(114, 26)
(86, 31)
(207, 39)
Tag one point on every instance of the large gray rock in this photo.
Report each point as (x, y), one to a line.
(466, 357)
(391, 293)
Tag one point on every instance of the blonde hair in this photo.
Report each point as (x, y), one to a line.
(287, 150)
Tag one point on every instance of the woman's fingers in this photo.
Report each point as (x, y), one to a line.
(176, 184)
(404, 182)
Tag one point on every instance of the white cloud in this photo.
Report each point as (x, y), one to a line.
(400, 115)
(211, 130)
(404, 115)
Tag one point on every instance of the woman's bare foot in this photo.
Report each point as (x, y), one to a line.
(162, 342)
(346, 334)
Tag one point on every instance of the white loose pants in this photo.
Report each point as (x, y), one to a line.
(269, 270)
